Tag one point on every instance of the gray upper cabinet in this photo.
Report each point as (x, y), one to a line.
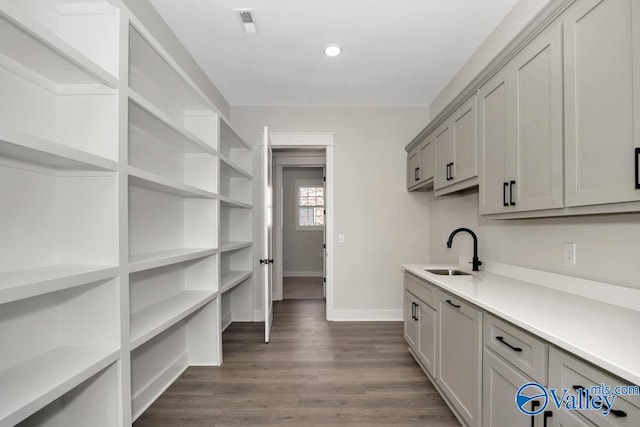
(520, 130)
(456, 150)
(420, 164)
(602, 96)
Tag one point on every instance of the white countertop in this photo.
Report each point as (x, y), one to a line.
(603, 333)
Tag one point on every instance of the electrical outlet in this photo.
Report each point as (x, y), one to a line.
(341, 238)
(569, 253)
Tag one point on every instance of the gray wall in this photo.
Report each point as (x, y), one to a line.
(606, 245)
(383, 224)
(302, 249)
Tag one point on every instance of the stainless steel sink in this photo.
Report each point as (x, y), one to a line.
(447, 272)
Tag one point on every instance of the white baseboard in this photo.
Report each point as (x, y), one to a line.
(367, 315)
(258, 316)
(302, 274)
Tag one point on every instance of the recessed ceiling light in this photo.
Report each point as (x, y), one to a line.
(332, 50)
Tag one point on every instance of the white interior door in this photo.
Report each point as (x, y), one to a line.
(267, 227)
(324, 234)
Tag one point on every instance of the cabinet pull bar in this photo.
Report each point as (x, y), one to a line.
(502, 340)
(545, 416)
(511, 184)
(447, 171)
(416, 175)
(452, 304)
(452, 171)
(615, 412)
(534, 405)
(417, 318)
(504, 193)
(413, 310)
(638, 168)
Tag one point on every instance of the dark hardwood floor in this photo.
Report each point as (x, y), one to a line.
(313, 373)
(302, 287)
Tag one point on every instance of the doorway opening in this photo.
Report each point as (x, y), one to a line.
(303, 205)
(299, 223)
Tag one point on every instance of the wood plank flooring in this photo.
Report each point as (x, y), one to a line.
(313, 373)
(302, 287)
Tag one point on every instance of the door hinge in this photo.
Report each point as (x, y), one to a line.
(325, 211)
(324, 178)
(324, 280)
(324, 246)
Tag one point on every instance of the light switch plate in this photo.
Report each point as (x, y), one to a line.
(569, 253)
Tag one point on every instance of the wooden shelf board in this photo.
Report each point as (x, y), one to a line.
(33, 384)
(46, 54)
(151, 181)
(231, 279)
(147, 261)
(20, 284)
(39, 151)
(153, 320)
(229, 202)
(229, 168)
(233, 246)
(150, 119)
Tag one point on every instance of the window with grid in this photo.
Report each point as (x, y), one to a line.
(310, 204)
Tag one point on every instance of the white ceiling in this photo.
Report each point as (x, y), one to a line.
(398, 52)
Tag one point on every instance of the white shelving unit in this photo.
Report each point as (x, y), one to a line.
(236, 227)
(126, 217)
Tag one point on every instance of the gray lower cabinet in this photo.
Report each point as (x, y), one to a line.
(427, 337)
(459, 356)
(420, 323)
(501, 382)
(410, 325)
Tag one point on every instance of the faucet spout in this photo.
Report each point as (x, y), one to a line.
(476, 261)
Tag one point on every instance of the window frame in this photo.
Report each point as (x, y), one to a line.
(308, 183)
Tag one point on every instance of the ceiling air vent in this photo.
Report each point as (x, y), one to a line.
(247, 21)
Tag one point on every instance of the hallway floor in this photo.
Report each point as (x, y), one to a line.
(302, 288)
(313, 373)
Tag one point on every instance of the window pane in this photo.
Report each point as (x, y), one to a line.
(306, 216)
(303, 191)
(319, 216)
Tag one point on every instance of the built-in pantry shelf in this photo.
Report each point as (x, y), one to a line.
(153, 320)
(29, 386)
(231, 279)
(39, 151)
(20, 284)
(149, 118)
(231, 169)
(231, 203)
(151, 181)
(43, 52)
(147, 261)
(234, 246)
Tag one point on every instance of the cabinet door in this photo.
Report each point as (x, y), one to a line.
(413, 168)
(465, 164)
(459, 367)
(493, 131)
(601, 66)
(443, 140)
(501, 382)
(427, 160)
(427, 337)
(410, 324)
(536, 178)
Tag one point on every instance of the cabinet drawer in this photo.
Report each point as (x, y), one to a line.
(522, 350)
(566, 371)
(420, 289)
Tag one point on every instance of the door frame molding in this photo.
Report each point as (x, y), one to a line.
(326, 142)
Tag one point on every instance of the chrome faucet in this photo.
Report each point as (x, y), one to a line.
(476, 262)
